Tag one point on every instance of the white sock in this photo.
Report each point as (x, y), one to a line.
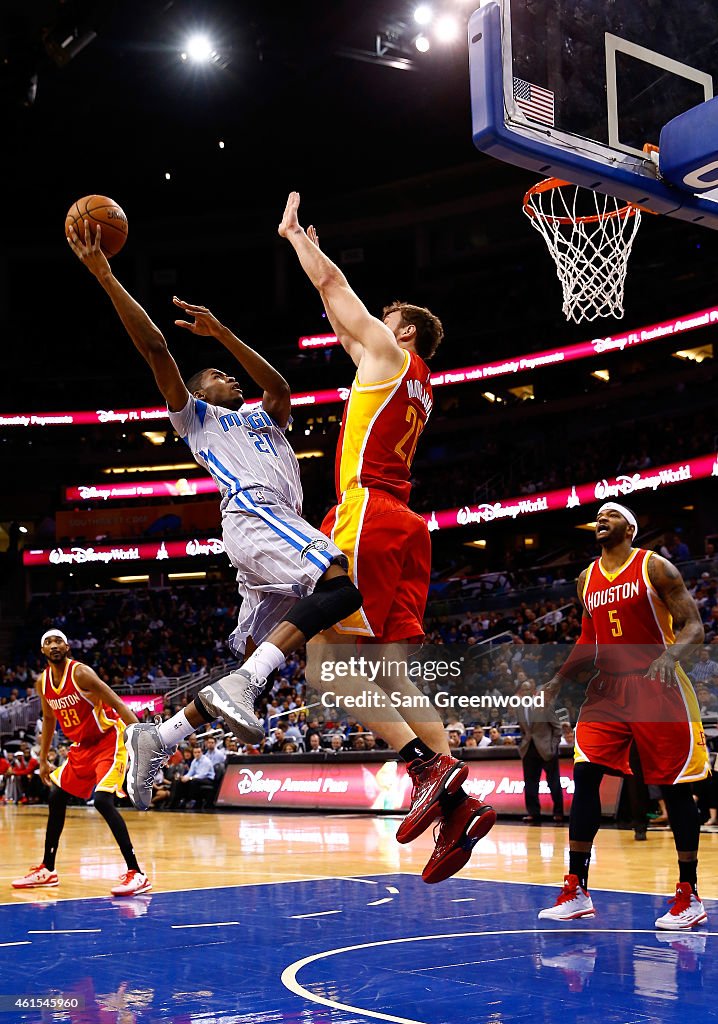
(264, 661)
(175, 730)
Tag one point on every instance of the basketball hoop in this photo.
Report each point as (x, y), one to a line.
(589, 237)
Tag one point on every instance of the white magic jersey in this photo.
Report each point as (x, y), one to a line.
(240, 449)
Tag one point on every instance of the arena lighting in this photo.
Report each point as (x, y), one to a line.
(422, 44)
(423, 14)
(603, 375)
(128, 579)
(446, 29)
(649, 480)
(462, 375)
(165, 468)
(199, 50)
(186, 575)
(155, 436)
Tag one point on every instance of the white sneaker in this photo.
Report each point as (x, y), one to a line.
(685, 910)
(35, 878)
(233, 698)
(573, 902)
(131, 884)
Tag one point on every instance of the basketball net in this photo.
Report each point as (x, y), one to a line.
(589, 237)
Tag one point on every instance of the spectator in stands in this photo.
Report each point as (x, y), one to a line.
(200, 772)
(369, 741)
(705, 667)
(289, 747)
(454, 738)
(496, 738)
(357, 741)
(217, 755)
(336, 742)
(315, 744)
(24, 767)
(274, 744)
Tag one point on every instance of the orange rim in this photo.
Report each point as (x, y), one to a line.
(549, 184)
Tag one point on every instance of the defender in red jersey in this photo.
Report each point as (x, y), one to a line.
(386, 544)
(638, 620)
(93, 717)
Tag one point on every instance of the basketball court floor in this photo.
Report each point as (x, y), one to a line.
(275, 918)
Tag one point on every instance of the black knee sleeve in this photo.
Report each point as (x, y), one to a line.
(683, 816)
(585, 817)
(332, 601)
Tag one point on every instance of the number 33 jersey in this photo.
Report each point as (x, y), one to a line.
(632, 624)
(81, 720)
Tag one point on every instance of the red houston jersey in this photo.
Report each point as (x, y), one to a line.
(380, 430)
(81, 720)
(631, 621)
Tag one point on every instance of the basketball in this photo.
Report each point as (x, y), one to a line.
(99, 210)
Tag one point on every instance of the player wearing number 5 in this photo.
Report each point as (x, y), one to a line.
(638, 622)
(93, 717)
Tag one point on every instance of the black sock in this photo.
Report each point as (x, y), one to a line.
(687, 872)
(450, 801)
(416, 750)
(55, 823)
(578, 865)
(105, 804)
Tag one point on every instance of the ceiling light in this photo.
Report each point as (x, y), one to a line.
(118, 470)
(186, 575)
(155, 436)
(447, 29)
(603, 375)
(130, 579)
(423, 14)
(586, 526)
(199, 49)
(422, 44)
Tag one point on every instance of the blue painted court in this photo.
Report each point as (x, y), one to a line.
(350, 950)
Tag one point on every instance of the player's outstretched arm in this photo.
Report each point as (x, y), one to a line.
(277, 394)
(90, 684)
(687, 624)
(350, 345)
(146, 336)
(370, 333)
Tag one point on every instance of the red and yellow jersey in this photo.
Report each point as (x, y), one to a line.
(380, 430)
(631, 622)
(81, 720)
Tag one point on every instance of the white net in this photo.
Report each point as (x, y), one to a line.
(589, 237)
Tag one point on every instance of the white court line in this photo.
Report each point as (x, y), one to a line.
(318, 913)
(64, 931)
(209, 924)
(392, 888)
(25, 942)
(289, 974)
(348, 878)
(465, 899)
(210, 888)
(378, 903)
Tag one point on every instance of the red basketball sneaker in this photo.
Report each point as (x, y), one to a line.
(458, 835)
(442, 774)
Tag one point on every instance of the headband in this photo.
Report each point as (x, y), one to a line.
(53, 632)
(625, 512)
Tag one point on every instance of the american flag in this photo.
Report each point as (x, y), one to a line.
(536, 103)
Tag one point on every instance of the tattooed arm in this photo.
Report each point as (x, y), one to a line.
(687, 625)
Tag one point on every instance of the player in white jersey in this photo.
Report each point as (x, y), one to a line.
(292, 579)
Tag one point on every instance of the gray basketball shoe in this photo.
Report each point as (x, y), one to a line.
(146, 755)
(232, 698)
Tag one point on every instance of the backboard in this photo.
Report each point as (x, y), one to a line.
(576, 88)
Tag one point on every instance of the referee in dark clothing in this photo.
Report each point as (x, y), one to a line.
(540, 737)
